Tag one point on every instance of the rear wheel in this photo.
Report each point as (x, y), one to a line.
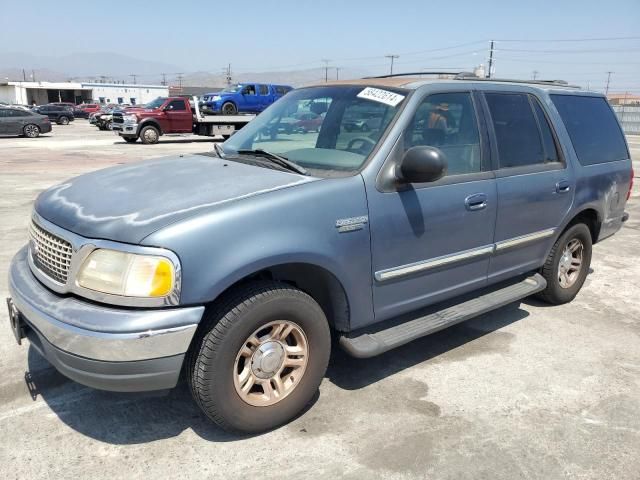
(31, 131)
(567, 265)
(149, 135)
(261, 356)
(63, 120)
(229, 108)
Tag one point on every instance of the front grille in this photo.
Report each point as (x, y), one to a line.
(117, 118)
(51, 254)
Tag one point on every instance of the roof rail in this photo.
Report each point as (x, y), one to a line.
(474, 77)
(412, 74)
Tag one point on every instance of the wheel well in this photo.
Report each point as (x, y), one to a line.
(590, 218)
(317, 282)
(150, 123)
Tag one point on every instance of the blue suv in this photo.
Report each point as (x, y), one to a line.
(242, 98)
(237, 267)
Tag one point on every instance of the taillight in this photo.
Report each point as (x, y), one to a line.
(630, 184)
(46, 119)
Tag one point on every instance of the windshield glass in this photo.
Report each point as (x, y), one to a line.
(155, 103)
(232, 89)
(322, 128)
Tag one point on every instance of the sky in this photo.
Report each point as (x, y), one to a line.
(579, 41)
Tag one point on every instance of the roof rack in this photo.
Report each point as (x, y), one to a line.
(474, 77)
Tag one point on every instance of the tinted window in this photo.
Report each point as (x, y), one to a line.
(264, 90)
(3, 113)
(592, 126)
(548, 141)
(177, 105)
(18, 113)
(516, 130)
(448, 121)
(280, 90)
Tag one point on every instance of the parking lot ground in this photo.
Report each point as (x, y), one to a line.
(528, 391)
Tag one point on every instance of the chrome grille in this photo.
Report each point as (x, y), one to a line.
(51, 254)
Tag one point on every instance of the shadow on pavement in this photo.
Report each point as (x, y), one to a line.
(130, 418)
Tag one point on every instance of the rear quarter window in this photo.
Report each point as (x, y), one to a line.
(593, 128)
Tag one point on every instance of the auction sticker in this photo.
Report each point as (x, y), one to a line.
(382, 96)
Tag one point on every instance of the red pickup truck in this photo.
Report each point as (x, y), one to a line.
(172, 115)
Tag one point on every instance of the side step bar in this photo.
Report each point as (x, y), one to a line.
(371, 344)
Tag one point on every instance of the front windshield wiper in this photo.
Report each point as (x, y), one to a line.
(275, 158)
(219, 151)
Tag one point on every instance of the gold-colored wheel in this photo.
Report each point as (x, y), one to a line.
(271, 363)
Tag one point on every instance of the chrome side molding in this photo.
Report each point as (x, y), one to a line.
(403, 270)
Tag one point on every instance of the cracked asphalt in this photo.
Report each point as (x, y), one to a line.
(527, 391)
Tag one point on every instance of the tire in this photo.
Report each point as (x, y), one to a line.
(108, 125)
(63, 120)
(254, 311)
(130, 139)
(228, 108)
(149, 135)
(562, 288)
(31, 131)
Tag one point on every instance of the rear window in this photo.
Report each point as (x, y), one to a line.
(592, 126)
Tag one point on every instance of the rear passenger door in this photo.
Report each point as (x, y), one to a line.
(535, 186)
(265, 98)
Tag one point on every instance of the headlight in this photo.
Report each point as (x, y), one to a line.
(127, 274)
(130, 118)
(215, 98)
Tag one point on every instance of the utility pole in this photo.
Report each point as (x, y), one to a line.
(535, 74)
(228, 75)
(326, 69)
(606, 90)
(24, 75)
(392, 57)
(164, 79)
(179, 75)
(337, 71)
(490, 60)
(135, 76)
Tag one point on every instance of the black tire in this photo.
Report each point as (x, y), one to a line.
(225, 330)
(31, 131)
(228, 108)
(63, 120)
(555, 293)
(149, 135)
(130, 139)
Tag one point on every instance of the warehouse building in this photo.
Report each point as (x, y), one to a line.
(26, 93)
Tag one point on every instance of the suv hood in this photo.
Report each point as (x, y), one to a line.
(129, 202)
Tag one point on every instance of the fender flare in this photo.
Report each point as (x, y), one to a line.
(149, 122)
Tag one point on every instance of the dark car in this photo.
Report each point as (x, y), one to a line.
(61, 114)
(18, 121)
(86, 109)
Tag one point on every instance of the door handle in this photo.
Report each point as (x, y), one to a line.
(563, 186)
(477, 201)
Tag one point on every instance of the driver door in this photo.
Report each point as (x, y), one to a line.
(433, 241)
(179, 118)
(250, 98)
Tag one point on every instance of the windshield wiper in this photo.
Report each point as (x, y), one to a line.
(277, 159)
(219, 151)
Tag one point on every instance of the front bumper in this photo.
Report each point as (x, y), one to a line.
(99, 346)
(125, 128)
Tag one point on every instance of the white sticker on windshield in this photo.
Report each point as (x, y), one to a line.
(382, 96)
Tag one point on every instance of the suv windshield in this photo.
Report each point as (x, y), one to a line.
(155, 103)
(322, 128)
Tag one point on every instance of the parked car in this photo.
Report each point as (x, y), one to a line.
(243, 98)
(234, 267)
(86, 109)
(20, 121)
(60, 114)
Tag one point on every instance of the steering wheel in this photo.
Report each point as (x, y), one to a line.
(362, 148)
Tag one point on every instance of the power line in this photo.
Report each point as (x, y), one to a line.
(548, 40)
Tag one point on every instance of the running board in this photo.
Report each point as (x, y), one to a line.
(371, 344)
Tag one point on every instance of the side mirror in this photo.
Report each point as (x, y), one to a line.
(422, 164)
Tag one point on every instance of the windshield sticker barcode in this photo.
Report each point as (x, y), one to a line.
(382, 96)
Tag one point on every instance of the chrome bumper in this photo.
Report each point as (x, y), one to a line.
(125, 128)
(99, 332)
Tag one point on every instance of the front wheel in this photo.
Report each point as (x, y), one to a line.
(229, 109)
(567, 265)
(260, 357)
(149, 135)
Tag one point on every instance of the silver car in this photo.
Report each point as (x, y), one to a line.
(18, 121)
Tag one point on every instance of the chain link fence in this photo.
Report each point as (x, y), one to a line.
(629, 117)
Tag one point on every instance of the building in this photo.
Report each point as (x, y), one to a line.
(623, 99)
(26, 93)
